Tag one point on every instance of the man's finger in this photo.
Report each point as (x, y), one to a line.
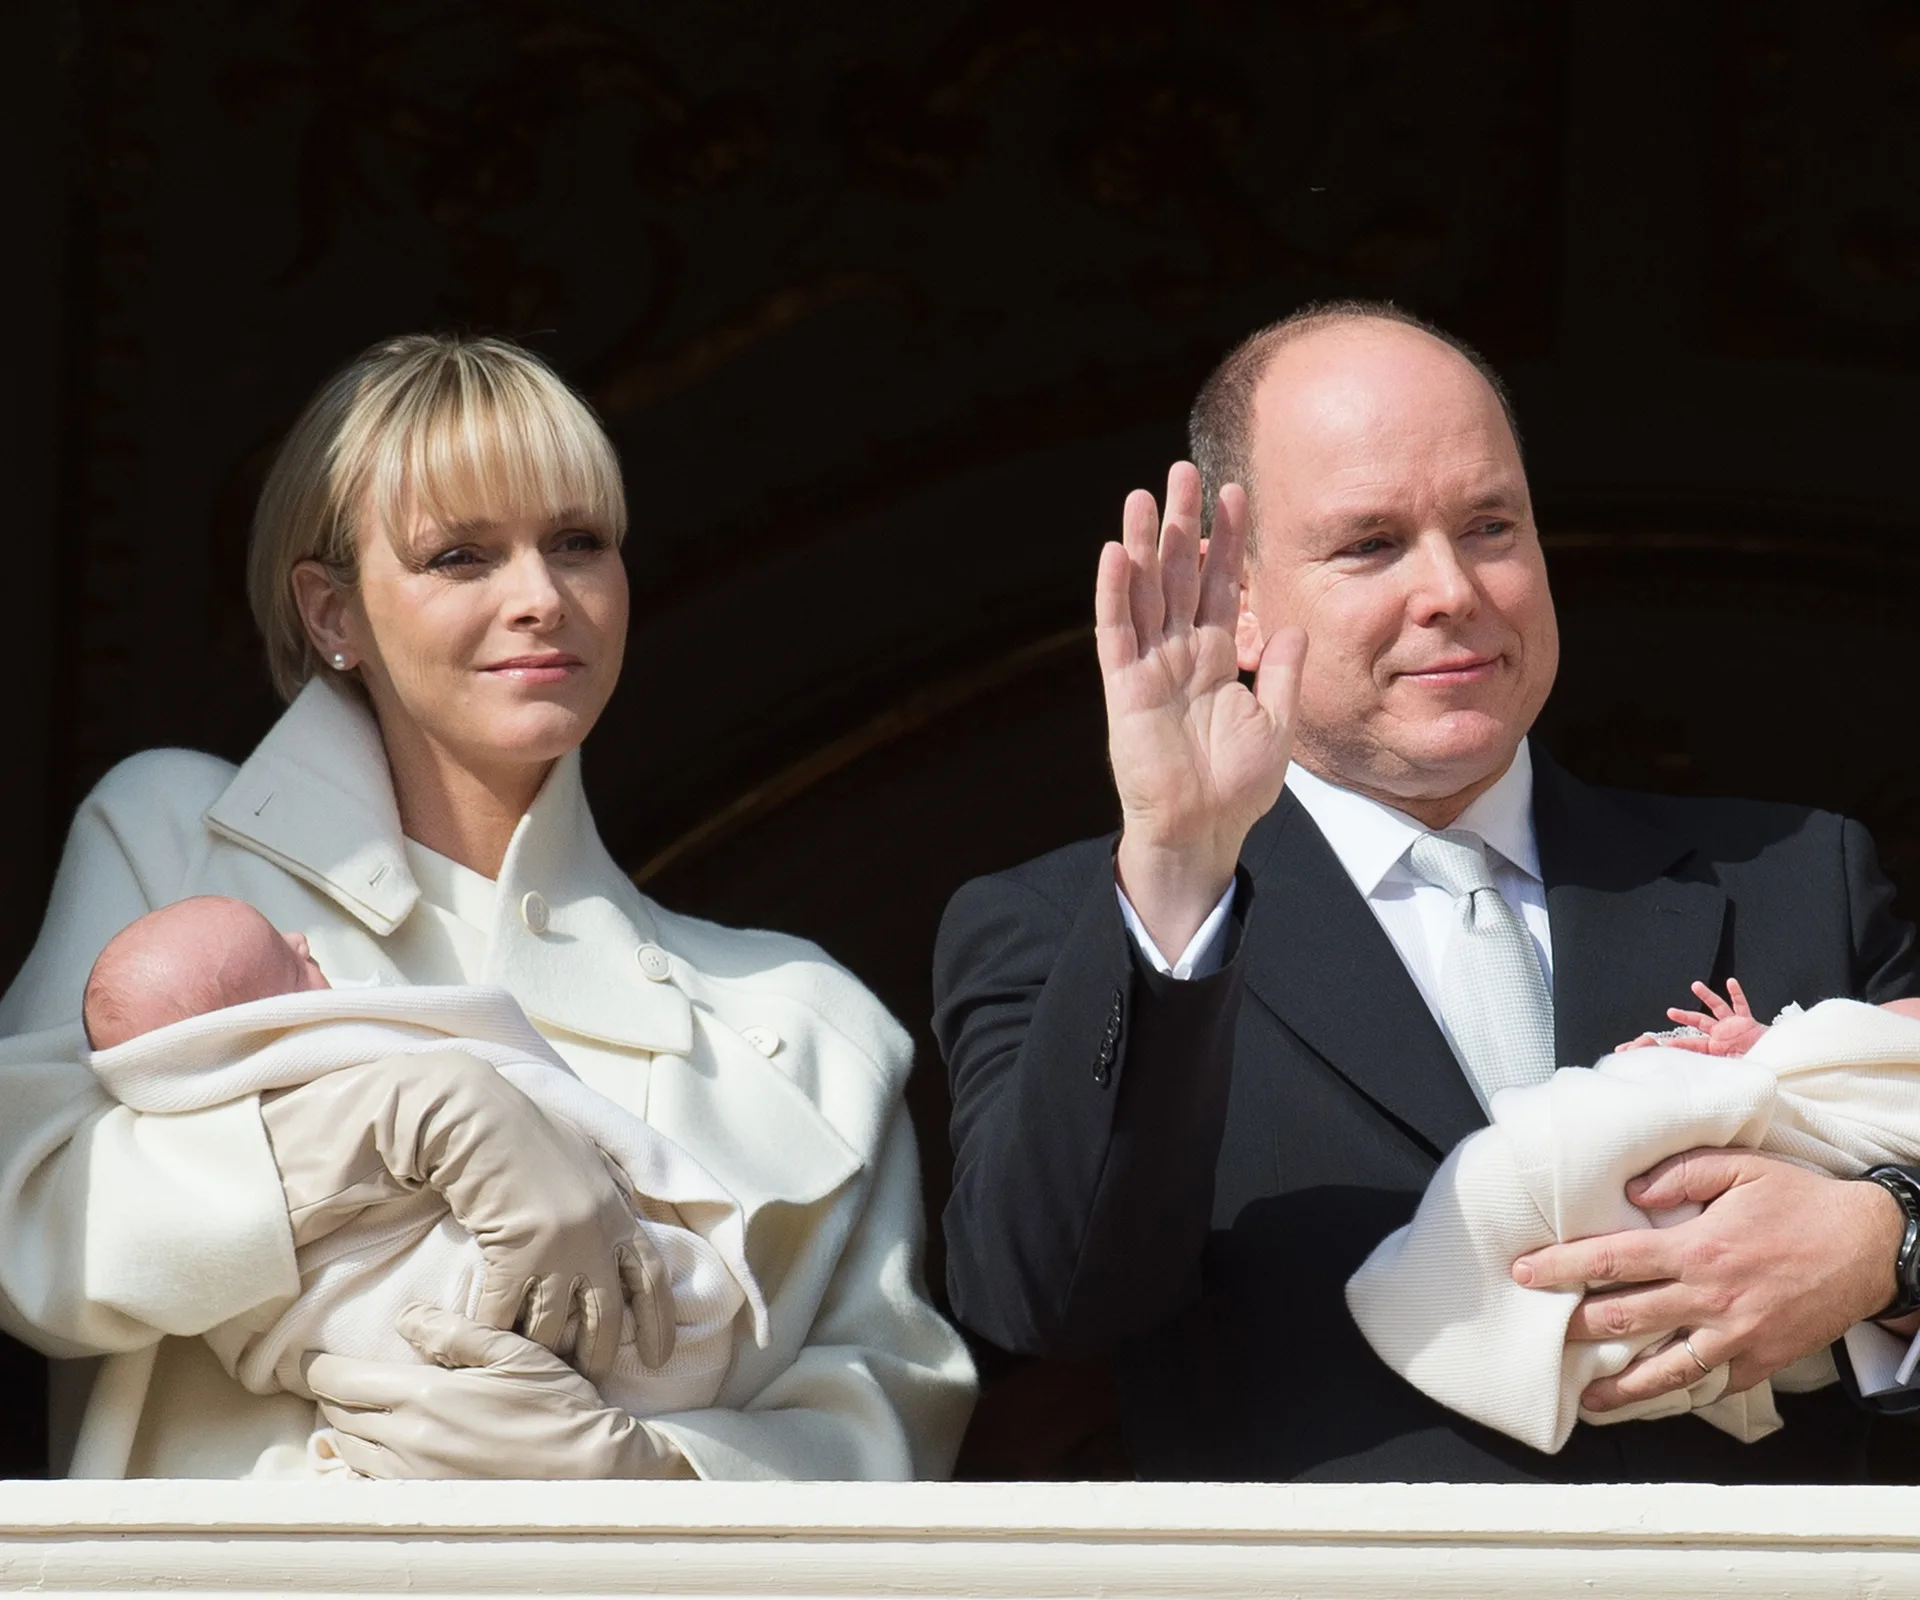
(1633, 1313)
(1113, 611)
(1700, 1176)
(1140, 532)
(1276, 685)
(1225, 559)
(1180, 549)
(1641, 1255)
(1658, 1372)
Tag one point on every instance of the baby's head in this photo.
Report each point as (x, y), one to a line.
(187, 959)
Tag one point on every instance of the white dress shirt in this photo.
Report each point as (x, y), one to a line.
(1371, 841)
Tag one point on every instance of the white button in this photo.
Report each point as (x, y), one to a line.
(654, 962)
(765, 1040)
(533, 912)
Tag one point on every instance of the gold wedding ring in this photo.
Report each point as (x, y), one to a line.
(1686, 1344)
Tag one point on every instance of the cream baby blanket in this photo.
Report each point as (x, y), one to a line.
(1835, 1088)
(354, 1282)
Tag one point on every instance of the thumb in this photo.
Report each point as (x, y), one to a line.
(649, 1290)
(1276, 685)
(447, 1339)
(1699, 1176)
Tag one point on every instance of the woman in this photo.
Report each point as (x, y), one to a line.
(435, 569)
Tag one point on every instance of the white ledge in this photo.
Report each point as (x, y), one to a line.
(1117, 1540)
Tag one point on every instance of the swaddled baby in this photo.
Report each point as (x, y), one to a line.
(204, 1002)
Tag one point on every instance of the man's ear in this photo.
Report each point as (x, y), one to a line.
(1249, 638)
(322, 604)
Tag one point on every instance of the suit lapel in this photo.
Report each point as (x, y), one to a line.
(1627, 938)
(1317, 958)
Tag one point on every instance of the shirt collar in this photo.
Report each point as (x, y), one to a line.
(1370, 838)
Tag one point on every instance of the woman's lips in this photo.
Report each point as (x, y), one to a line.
(536, 669)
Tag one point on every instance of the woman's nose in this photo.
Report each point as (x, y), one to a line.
(535, 600)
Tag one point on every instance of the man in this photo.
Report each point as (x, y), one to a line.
(1200, 1071)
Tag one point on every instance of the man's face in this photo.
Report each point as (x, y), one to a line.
(1395, 527)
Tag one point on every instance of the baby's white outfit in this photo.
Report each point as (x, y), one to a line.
(356, 1280)
(1836, 1089)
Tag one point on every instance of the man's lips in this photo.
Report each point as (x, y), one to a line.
(1454, 669)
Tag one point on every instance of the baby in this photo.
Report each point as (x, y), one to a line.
(204, 1002)
(189, 958)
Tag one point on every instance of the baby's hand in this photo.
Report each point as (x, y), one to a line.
(1725, 1029)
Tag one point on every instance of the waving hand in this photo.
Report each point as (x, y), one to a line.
(1197, 757)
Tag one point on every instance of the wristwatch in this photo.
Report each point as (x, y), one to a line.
(1901, 1184)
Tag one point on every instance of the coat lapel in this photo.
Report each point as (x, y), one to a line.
(1628, 937)
(1319, 960)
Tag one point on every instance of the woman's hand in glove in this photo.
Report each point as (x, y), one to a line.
(554, 1221)
(494, 1405)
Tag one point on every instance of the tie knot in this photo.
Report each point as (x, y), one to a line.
(1456, 862)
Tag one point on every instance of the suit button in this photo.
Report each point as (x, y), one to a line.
(765, 1040)
(654, 962)
(533, 912)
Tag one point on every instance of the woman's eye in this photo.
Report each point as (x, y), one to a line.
(458, 561)
(581, 541)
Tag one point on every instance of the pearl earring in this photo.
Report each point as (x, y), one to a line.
(340, 661)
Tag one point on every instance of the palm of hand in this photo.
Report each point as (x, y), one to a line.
(1729, 1025)
(1188, 741)
(1197, 756)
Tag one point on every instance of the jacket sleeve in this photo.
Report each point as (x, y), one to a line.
(883, 1386)
(1883, 948)
(1089, 1099)
(116, 1228)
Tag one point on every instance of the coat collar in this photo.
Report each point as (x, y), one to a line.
(316, 799)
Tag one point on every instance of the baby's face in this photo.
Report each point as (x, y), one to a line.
(190, 958)
(289, 968)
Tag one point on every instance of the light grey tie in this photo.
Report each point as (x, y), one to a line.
(1492, 994)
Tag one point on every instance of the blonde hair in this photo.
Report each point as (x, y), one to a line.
(437, 426)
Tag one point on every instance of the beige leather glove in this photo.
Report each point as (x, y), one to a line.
(553, 1218)
(494, 1406)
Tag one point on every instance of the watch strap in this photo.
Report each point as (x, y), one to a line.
(1903, 1183)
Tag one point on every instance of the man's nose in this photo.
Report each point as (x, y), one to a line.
(1443, 586)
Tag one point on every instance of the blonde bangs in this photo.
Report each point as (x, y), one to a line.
(484, 441)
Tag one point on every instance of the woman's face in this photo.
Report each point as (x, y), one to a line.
(494, 644)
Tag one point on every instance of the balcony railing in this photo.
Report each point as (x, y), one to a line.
(976, 1540)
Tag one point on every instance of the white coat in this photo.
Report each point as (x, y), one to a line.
(768, 1063)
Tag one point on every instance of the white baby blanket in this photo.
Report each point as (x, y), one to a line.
(1836, 1088)
(354, 1281)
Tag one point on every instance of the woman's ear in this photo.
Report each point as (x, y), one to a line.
(322, 603)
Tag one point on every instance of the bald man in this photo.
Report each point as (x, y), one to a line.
(1199, 1070)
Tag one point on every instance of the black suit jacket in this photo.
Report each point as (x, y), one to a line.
(1185, 1174)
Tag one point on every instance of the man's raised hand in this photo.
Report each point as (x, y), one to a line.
(1197, 757)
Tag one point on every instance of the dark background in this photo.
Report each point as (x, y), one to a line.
(886, 307)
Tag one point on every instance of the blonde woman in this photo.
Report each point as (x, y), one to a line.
(436, 573)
